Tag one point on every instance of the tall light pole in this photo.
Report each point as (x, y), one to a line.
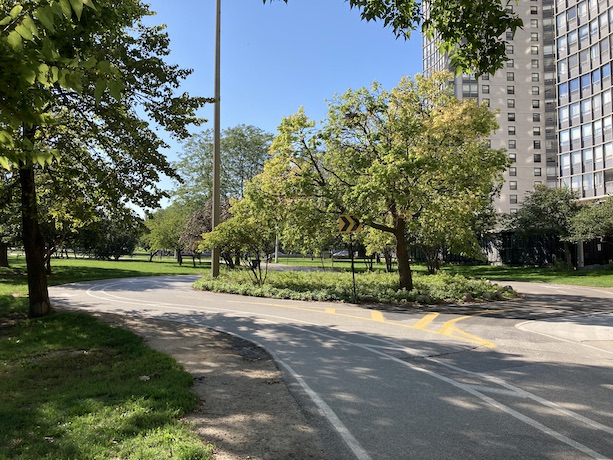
(216, 141)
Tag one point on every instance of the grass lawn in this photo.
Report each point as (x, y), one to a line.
(595, 278)
(76, 388)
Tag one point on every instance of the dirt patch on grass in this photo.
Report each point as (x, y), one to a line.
(245, 408)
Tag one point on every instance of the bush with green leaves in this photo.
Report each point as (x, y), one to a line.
(371, 287)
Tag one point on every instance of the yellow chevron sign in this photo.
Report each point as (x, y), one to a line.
(348, 223)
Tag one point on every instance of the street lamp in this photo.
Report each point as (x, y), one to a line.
(216, 141)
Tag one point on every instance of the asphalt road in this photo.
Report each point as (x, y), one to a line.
(524, 379)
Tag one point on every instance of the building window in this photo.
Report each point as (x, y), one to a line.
(485, 77)
(534, 36)
(511, 103)
(513, 199)
(509, 49)
(537, 158)
(536, 131)
(535, 90)
(513, 185)
(536, 117)
(536, 104)
(536, 145)
(511, 116)
(512, 157)
(534, 23)
(485, 101)
(512, 143)
(535, 76)
(510, 76)
(511, 130)
(509, 35)
(537, 172)
(510, 63)
(510, 89)
(485, 89)
(534, 63)
(512, 171)
(534, 10)
(534, 50)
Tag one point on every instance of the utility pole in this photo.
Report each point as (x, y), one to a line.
(216, 141)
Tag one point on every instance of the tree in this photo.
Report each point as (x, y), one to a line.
(393, 158)
(547, 212)
(73, 74)
(592, 221)
(164, 229)
(248, 235)
(110, 237)
(200, 221)
(243, 151)
(472, 33)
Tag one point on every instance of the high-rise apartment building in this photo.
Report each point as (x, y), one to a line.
(553, 98)
(584, 38)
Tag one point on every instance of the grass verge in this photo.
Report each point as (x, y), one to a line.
(371, 287)
(74, 387)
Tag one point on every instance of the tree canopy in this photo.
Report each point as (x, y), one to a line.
(83, 81)
(243, 151)
(402, 160)
(547, 212)
(592, 221)
(472, 33)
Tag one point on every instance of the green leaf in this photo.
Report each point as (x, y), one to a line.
(16, 11)
(54, 74)
(15, 40)
(90, 4)
(105, 67)
(5, 163)
(45, 16)
(99, 91)
(90, 63)
(43, 74)
(77, 6)
(31, 25)
(6, 21)
(66, 8)
(115, 88)
(25, 33)
(29, 74)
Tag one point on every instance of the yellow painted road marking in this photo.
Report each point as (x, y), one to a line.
(448, 329)
(377, 316)
(422, 323)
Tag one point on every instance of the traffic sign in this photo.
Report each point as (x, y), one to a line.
(348, 223)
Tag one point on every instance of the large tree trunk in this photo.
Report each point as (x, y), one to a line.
(33, 245)
(402, 253)
(4, 254)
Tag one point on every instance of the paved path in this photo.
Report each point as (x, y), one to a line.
(529, 378)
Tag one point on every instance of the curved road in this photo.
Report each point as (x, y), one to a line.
(523, 379)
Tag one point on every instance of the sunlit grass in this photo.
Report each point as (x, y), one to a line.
(73, 387)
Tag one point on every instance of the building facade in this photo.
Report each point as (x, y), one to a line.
(584, 38)
(553, 98)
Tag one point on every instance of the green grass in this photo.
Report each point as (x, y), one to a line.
(595, 278)
(74, 388)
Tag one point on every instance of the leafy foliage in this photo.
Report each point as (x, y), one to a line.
(472, 33)
(243, 151)
(592, 221)
(405, 161)
(372, 287)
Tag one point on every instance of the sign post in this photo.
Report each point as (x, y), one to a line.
(348, 223)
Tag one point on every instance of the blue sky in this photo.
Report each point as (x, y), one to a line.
(277, 57)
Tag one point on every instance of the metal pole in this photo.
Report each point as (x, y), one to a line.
(216, 141)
